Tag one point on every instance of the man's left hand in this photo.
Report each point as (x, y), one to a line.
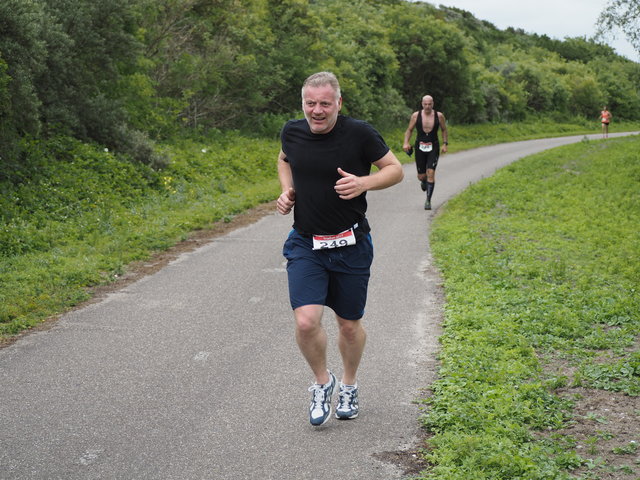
(349, 186)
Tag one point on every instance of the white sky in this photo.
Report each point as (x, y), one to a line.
(555, 18)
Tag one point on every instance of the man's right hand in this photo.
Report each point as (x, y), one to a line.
(285, 201)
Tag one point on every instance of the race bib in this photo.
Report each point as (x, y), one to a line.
(322, 242)
(425, 146)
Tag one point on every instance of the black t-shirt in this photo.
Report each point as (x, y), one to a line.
(352, 145)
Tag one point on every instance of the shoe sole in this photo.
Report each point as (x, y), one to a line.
(346, 418)
(325, 420)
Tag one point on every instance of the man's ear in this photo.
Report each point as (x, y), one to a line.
(340, 104)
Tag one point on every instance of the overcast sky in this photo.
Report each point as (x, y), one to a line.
(555, 18)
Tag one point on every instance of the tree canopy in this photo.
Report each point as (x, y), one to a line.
(125, 72)
(623, 15)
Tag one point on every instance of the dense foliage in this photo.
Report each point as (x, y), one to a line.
(121, 72)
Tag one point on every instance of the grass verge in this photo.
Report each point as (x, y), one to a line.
(541, 268)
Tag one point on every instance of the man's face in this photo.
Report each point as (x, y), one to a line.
(321, 108)
(427, 104)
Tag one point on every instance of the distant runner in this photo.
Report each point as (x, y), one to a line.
(605, 118)
(427, 145)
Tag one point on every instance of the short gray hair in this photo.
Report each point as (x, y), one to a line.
(321, 79)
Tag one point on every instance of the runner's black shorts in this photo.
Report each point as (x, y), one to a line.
(427, 160)
(335, 277)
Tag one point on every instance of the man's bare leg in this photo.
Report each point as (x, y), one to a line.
(351, 341)
(312, 340)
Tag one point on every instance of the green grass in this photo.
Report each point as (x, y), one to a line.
(541, 265)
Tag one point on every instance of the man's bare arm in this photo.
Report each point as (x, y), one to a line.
(389, 173)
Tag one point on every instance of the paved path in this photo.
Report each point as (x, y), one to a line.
(193, 372)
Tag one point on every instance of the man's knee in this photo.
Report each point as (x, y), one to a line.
(308, 318)
(350, 330)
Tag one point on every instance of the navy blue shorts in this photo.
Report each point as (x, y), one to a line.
(335, 277)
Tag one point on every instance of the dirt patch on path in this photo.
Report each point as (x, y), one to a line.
(606, 432)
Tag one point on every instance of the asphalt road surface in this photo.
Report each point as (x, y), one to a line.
(193, 371)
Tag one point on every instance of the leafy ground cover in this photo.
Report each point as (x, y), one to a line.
(540, 370)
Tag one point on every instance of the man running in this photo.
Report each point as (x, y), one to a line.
(427, 145)
(324, 168)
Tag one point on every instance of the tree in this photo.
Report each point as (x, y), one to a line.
(433, 59)
(22, 55)
(209, 54)
(89, 45)
(623, 15)
(23, 52)
(620, 83)
(355, 46)
(292, 54)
